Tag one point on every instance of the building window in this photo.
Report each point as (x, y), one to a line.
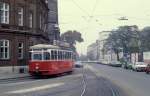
(30, 20)
(4, 49)
(4, 13)
(40, 21)
(20, 50)
(20, 16)
(46, 1)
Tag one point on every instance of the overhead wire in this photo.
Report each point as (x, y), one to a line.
(80, 8)
(94, 8)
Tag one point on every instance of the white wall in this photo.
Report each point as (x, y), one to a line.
(9, 69)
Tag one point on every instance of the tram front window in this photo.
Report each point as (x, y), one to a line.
(46, 56)
(37, 56)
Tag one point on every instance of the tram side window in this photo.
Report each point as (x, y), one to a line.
(70, 55)
(46, 56)
(52, 55)
(55, 55)
(60, 55)
(37, 56)
(65, 55)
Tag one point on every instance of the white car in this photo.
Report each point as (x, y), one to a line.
(78, 64)
(115, 64)
(139, 66)
(104, 62)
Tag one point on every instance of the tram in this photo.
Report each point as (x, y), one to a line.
(50, 60)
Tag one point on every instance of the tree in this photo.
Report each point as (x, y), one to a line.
(145, 39)
(72, 37)
(126, 38)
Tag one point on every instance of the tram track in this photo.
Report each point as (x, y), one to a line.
(81, 86)
(113, 89)
(84, 82)
(84, 86)
(75, 87)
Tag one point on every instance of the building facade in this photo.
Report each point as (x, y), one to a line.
(23, 23)
(53, 26)
(93, 51)
(106, 54)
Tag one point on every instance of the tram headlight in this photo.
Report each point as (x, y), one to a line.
(36, 67)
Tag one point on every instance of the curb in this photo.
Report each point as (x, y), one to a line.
(19, 77)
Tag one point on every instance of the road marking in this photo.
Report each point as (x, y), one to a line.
(35, 88)
(18, 83)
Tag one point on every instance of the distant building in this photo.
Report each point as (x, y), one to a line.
(93, 51)
(53, 26)
(101, 49)
(106, 54)
(23, 23)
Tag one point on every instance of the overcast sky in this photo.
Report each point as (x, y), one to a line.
(93, 16)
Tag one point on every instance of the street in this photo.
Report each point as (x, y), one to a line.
(74, 48)
(82, 82)
(92, 80)
(133, 83)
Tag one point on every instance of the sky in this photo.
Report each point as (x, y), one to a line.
(90, 17)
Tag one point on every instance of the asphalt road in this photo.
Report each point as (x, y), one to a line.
(132, 83)
(82, 82)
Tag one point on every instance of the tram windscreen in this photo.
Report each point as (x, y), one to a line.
(37, 56)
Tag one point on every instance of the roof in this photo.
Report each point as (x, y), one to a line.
(44, 46)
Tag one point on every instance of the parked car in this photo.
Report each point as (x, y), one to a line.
(115, 64)
(147, 69)
(127, 65)
(78, 64)
(139, 66)
(104, 62)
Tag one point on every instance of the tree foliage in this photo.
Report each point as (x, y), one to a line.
(72, 37)
(126, 38)
(145, 39)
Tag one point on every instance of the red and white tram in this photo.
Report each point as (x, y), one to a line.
(50, 60)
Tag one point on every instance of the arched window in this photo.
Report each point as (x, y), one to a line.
(4, 49)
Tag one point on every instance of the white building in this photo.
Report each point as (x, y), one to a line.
(92, 51)
(107, 55)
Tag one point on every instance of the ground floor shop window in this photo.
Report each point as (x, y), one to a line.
(4, 49)
(20, 50)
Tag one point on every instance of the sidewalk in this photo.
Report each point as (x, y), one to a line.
(7, 73)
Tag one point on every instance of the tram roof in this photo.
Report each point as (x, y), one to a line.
(44, 46)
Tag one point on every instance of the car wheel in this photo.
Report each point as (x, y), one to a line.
(133, 69)
(136, 70)
(147, 72)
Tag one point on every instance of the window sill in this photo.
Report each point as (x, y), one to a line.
(4, 59)
(20, 58)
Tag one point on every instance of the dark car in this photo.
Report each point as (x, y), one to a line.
(147, 69)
